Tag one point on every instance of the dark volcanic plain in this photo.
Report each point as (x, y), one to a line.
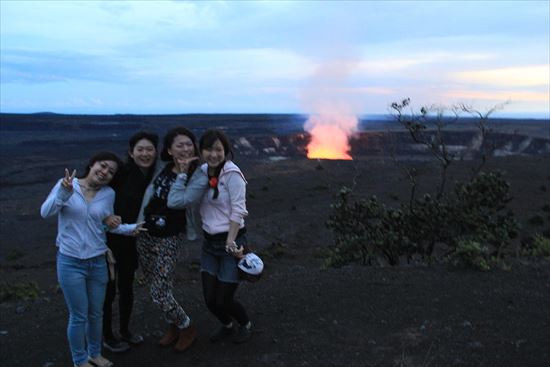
(303, 313)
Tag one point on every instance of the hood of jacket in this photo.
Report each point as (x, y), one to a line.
(229, 166)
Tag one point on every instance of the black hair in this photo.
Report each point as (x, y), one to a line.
(169, 140)
(209, 138)
(206, 142)
(134, 139)
(102, 156)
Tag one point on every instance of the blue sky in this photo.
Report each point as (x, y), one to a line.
(272, 57)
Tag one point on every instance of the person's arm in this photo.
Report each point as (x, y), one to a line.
(237, 196)
(128, 229)
(236, 187)
(112, 221)
(183, 194)
(231, 236)
(60, 193)
(122, 228)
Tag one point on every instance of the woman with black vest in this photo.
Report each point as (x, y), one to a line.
(168, 230)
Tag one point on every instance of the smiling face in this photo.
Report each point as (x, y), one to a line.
(101, 173)
(143, 154)
(182, 147)
(214, 155)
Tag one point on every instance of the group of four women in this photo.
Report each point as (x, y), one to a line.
(162, 205)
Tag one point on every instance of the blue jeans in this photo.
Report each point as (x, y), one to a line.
(83, 283)
(216, 261)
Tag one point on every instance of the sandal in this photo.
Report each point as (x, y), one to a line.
(100, 361)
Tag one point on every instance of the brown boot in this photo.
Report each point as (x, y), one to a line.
(186, 338)
(170, 336)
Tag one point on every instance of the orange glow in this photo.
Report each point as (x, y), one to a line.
(329, 136)
(321, 153)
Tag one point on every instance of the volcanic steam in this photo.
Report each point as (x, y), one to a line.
(330, 132)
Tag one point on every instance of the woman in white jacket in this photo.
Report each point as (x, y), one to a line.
(81, 205)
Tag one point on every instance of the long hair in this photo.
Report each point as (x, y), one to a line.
(169, 139)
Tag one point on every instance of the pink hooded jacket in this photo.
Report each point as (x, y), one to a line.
(230, 205)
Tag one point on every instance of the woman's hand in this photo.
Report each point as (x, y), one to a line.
(67, 182)
(182, 164)
(139, 229)
(235, 250)
(239, 252)
(112, 221)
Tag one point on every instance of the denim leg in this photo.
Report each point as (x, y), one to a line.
(96, 286)
(71, 274)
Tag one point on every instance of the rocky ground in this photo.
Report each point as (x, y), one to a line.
(304, 314)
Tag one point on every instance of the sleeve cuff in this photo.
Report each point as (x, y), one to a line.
(237, 218)
(63, 194)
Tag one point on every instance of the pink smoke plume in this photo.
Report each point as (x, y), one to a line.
(332, 120)
(330, 132)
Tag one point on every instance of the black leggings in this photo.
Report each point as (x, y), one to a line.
(124, 280)
(125, 268)
(219, 299)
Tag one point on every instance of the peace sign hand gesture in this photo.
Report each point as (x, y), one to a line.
(183, 163)
(67, 182)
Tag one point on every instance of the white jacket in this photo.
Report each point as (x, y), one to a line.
(80, 229)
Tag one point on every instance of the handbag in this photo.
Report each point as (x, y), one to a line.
(111, 264)
(162, 221)
(156, 224)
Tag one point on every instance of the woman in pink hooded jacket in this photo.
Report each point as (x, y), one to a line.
(223, 208)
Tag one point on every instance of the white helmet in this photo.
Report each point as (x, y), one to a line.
(250, 267)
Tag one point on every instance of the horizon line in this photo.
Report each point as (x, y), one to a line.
(496, 114)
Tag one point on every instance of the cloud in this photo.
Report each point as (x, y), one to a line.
(499, 95)
(395, 63)
(242, 69)
(518, 76)
(260, 55)
(22, 66)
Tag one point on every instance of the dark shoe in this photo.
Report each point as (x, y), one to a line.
(222, 333)
(170, 336)
(131, 338)
(186, 338)
(115, 346)
(243, 334)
